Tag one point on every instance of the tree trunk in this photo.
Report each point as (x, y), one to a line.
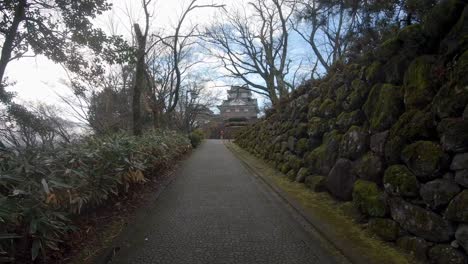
(7, 48)
(139, 81)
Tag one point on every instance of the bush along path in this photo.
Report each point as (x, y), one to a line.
(44, 191)
(388, 131)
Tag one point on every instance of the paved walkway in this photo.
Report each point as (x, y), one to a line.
(216, 212)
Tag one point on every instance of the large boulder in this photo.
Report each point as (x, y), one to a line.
(377, 142)
(461, 177)
(314, 107)
(415, 245)
(340, 180)
(388, 49)
(369, 167)
(302, 174)
(445, 254)
(411, 125)
(383, 106)
(461, 235)
(450, 100)
(454, 134)
(424, 158)
(420, 222)
(386, 229)
(354, 143)
(319, 126)
(327, 109)
(302, 146)
(368, 199)
(346, 120)
(439, 192)
(357, 97)
(457, 209)
(419, 83)
(399, 181)
(322, 158)
(459, 162)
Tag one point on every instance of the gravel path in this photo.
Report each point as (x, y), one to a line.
(216, 212)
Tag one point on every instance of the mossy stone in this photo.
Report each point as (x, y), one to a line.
(294, 162)
(374, 73)
(419, 221)
(341, 93)
(369, 167)
(314, 107)
(327, 108)
(424, 159)
(291, 175)
(318, 126)
(398, 180)
(302, 174)
(368, 199)
(415, 42)
(454, 134)
(354, 143)
(302, 146)
(357, 97)
(322, 158)
(284, 167)
(386, 229)
(383, 106)
(388, 48)
(419, 83)
(346, 120)
(450, 100)
(411, 125)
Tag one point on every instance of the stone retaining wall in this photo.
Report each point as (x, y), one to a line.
(389, 132)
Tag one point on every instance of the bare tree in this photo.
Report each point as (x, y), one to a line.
(169, 59)
(255, 46)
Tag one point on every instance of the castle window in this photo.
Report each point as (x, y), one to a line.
(237, 110)
(228, 110)
(246, 110)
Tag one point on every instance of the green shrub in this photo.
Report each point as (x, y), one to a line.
(196, 137)
(41, 189)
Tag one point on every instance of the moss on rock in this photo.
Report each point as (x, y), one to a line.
(383, 106)
(357, 97)
(388, 48)
(424, 159)
(411, 125)
(354, 143)
(327, 108)
(398, 180)
(368, 199)
(369, 167)
(346, 120)
(322, 158)
(419, 83)
(374, 73)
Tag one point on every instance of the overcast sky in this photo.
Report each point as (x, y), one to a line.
(39, 79)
